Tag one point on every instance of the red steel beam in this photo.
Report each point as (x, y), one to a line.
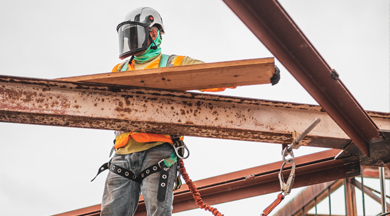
(373, 172)
(368, 172)
(305, 200)
(311, 169)
(350, 197)
(277, 31)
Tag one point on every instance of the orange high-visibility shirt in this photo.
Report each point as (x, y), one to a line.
(131, 142)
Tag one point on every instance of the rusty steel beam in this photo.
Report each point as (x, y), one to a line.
(322, 215)
(379, 150)
(373, 172)
(104, 106)
(277, 31)
(87, 211)
(306, 198)
(350, 197)
(311, 169)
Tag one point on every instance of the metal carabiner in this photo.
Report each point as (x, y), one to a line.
(184, 147)
(287, 186)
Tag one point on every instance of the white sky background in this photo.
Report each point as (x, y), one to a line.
(47, 170)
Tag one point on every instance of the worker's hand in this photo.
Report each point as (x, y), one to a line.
(276, 77)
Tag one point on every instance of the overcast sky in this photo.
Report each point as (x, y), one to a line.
(47, 170)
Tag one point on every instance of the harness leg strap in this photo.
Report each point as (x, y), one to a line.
(101, 169)
(163, 184)
(162, 167)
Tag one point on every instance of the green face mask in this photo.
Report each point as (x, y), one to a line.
(149, 53)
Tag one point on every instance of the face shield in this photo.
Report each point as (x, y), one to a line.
(133, 38)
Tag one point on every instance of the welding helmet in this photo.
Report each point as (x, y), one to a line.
(134, 34)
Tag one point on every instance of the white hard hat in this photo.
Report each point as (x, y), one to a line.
(133, 33)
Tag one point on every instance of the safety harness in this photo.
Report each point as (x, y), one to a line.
(162, 166)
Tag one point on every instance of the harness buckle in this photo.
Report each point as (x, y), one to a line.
(159, 163)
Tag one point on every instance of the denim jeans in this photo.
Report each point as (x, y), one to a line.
(121, 195)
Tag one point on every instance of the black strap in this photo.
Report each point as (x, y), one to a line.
(101, 169)
(124, 173)
(162, 186)
(127, 173)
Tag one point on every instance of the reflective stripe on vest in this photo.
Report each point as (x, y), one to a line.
(125, 66)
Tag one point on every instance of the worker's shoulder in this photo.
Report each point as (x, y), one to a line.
(115, 69)
(190, 61)
(119, 66)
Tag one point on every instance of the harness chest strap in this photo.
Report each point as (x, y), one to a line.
(164, 61)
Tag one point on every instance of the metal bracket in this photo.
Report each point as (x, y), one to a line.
(298, 141)
(295, 136)
(334, 74)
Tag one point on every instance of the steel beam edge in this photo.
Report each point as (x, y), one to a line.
(380, 152)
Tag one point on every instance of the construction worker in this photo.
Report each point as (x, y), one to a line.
(144, 162)
(138, 155)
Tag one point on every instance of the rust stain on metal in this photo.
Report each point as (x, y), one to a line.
(250, 177)
(382, 115)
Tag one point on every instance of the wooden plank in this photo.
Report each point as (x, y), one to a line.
(191, 77)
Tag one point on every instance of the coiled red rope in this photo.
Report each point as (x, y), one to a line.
(195, 192)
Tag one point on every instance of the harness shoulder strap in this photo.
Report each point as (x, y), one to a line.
(163, 60)
(166, 60)
(124, 65)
